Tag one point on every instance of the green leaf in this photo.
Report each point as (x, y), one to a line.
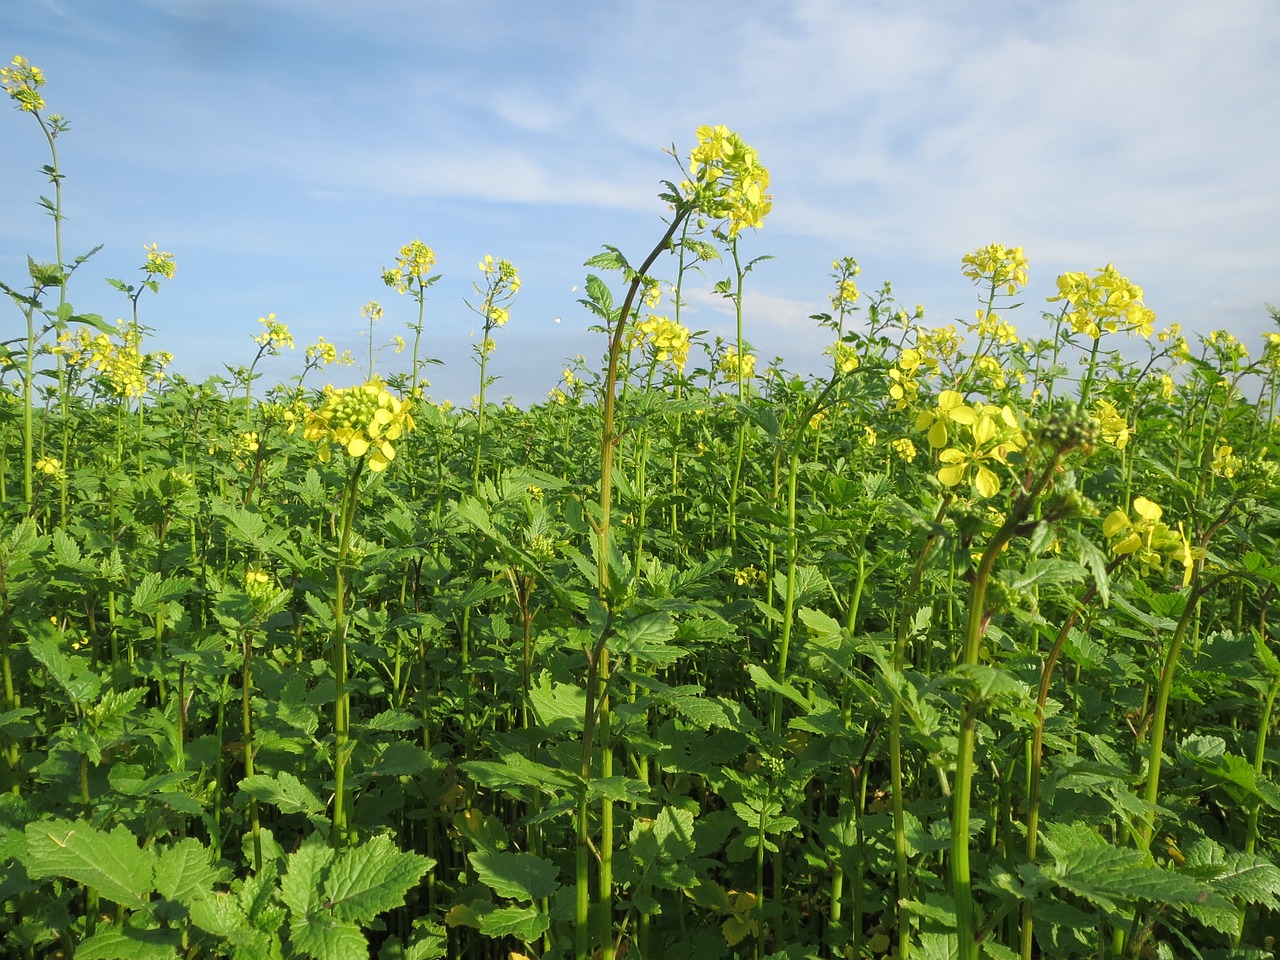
(559, 707)
(516, 770)
(648, 639)
(526, 924)
(517, 876)
(760, 676)
(284, 791)
(371, 879)
(304, 876)
(325, 940)
(1108, 875)
(154, 594)
(185, 871)
(112, 863)
(114, 943)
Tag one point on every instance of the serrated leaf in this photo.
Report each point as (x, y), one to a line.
(304, 876)
(284, 791)
(516, 876)
(1107, 875)
(154, 593)
(115, 943)
(112, 863)
(371, 879)
(559, 707)
(516, 770)
(323, 939)
(185, 871)
(526, 924)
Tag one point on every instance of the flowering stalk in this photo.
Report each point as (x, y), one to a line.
(364, 422)
(1073, 434)
(412, 274)
(502, 283)
(22, 82)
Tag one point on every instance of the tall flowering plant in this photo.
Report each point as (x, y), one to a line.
(364, 423)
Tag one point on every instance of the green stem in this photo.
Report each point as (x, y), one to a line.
(246, 733)
(961, 797)
(608, 435)
(788, 603)
(341, 834)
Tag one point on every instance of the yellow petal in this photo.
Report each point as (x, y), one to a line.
(1147, 510)
(1117, 522)
(988, 483)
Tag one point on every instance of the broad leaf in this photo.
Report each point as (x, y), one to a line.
(517, 876)
(111, 863)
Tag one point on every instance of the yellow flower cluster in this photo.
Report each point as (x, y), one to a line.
(990, 369)
(22, 82)
(160, 263)
(322, 353)
(845, 356)
(668, 339)
(1226, 346)
(991, 326)
(414, 263)
(997, 265)
(1104, 303)
(991, 433)
(1271, 351)
(729, 182)
(124, 366)
(1225, 461)
(361, 420)
(847, 292)
(1113, 426)
(276, 334)
(903, 448)
(503, 274)
(1148, 538)
(733, 364)
(52, 467)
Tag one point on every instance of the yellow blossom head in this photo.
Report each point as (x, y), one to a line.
(22, 82)
(363, 421)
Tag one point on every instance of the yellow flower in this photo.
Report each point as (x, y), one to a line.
(998, 265)
(951, 408)
(668, 339)
(1104, 303)
(51, 466)
(322, 352)
(159, 263)
(275, 336)
(1146, 537)
(22, 82)
(903, 448)
(994, 433)
(1225, 462)
(414, 263)
(1113, 426)
(732, 364)
(363, 420)
(845, 356)
(729, 182)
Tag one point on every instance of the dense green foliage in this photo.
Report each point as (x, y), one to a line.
(962, 650)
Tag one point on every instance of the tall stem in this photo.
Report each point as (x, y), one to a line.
(341, 835)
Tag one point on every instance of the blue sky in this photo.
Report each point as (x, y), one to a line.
(284, 150)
